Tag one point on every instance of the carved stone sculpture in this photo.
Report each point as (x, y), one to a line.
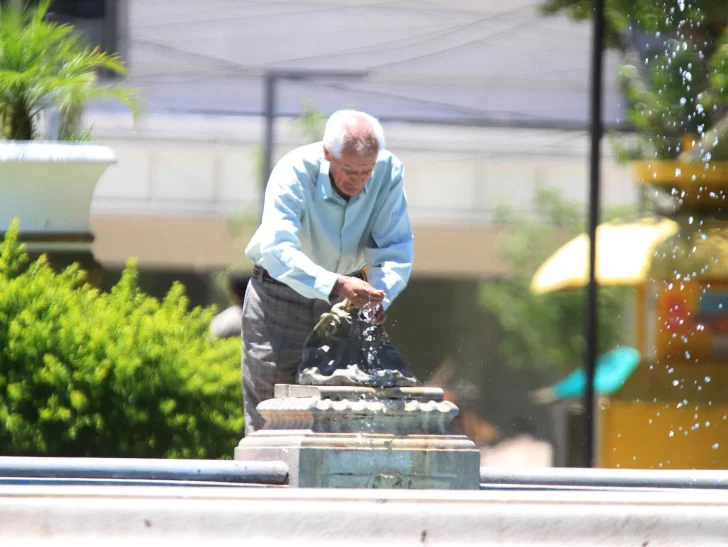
(345, 349)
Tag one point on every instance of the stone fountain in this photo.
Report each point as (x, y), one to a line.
(357, 418)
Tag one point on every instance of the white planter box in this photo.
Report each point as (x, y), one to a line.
(49, 185)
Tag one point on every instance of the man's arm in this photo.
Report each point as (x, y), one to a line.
(280, 246)
(389, 254)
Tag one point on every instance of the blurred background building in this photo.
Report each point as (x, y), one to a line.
(484, 101)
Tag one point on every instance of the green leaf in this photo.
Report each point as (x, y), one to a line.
(45, 63)
(545, 332)
(110, 374)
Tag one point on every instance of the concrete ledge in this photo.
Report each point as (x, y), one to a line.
(117, 515)
(55, 152)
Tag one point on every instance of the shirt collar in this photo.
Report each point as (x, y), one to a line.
(324, 186)
(324, 189)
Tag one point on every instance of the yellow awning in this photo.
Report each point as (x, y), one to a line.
(624, 255)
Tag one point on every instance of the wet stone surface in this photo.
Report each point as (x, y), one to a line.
(344, 349)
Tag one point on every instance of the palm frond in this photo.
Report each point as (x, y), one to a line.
(44, 63)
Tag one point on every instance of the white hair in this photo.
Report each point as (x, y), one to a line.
(338, 135)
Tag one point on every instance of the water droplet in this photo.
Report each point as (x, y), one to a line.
(707, 379)
(678, 172)
(690, 220)
(715, 446)
(672, 433)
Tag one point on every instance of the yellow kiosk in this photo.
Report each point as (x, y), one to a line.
(672, 411)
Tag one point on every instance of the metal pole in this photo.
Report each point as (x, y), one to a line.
(231, 471)
(269, 81)
(555, 478)
(591, 311)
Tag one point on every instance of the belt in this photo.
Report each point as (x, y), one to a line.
(263, 275)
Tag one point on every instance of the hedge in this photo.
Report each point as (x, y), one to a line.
(109, 374)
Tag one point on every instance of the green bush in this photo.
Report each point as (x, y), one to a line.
(546, 331)
(117, 374)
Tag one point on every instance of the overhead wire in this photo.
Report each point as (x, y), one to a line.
(454, 48)
(286, 13)
(233, 69)
(436, 35)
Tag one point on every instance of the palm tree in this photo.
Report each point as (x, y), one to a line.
(45, 63)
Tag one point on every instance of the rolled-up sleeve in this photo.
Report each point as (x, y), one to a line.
(278, 238)
(390, 252)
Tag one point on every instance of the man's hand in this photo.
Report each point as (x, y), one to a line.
(380, 316)
(359, 292)
(374, 315)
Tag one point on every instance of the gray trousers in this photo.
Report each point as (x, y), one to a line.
(276, 322)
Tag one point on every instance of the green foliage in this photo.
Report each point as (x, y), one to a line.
(87, 373)
(616, 15)
(719, 65)
(663, 105)
(702, 19)
(679, 86)
(546, 331)
(43, 63)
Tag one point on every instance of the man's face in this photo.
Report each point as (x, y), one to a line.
(351, 172)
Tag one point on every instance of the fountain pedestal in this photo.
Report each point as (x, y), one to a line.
(364, 437)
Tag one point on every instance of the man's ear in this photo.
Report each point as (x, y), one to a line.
(327, 154)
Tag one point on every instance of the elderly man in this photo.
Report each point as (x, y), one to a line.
(331, 210)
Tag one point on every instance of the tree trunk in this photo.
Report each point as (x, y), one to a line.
(20, 125)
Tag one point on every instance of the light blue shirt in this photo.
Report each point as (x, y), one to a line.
(309, 234)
